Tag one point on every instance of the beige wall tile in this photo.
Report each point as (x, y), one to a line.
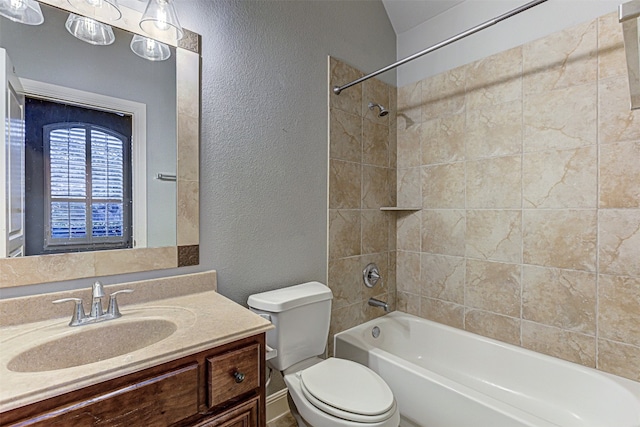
(619, 359)
(493, 286)
(50, 268)
(443, 232)
(560, 238)
(616, 122)
(442, 277)
(611, 57)
(494, 183)
(408, 272)
(494, 80)
(344, 318)
(560, 179)
(375, 231)
(442, 312)
(442, 139)
(443, 94)
(349, 100)
(562, 298)
(620, 241)
(547, 139)
(618, 308)
(571, 346)
(376, 91)
(345, 136)
(443, 186)
(494, 235)
(393, 130)
(620, 175)
(409, 151)
(408, 231)
(409, 187)
(344, 233)
(408, 303)
(188, 201)
(494, 131)
(392, 175)
(493, 325)
(409, 106)
(560, 119)
(375, 143)
(376, 188)
(344, 280)
(127, 261)
(565, 58)
(344, 184)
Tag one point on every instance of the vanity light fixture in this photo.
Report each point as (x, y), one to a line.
(149, 49)
(89, 30)
(160, 18)
(22, 11)
(101, 9)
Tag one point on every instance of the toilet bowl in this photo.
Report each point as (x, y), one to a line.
(340, 393)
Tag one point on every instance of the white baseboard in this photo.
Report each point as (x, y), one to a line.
(277, 405)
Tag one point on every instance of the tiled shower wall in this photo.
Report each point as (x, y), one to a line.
(362, 177)
(527, 167)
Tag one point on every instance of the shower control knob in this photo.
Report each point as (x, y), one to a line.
(239, 376)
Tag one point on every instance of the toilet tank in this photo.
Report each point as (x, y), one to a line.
(301, 316)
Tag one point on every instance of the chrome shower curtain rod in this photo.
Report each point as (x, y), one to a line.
(487, 24)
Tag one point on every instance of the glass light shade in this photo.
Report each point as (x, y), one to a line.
(160, 18)
(89, 30)
(22, 11)
(101, 9)
(149, 49)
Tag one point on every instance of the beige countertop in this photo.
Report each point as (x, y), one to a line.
(204, 319)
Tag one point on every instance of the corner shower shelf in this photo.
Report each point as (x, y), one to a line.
(399, 208)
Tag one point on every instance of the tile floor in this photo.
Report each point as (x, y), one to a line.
(286, 420)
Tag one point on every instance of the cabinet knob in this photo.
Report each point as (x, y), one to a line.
(239, 376)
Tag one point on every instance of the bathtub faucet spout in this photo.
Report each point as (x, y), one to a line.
(377, 303)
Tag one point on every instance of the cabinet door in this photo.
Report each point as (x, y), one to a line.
(244, 415)
(157, 401)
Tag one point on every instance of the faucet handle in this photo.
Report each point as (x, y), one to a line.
(78, 311)
(113, 302)
(97, 290)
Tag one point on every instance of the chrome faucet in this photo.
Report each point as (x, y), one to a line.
(97, 293)
(97, 313)
(377, 303)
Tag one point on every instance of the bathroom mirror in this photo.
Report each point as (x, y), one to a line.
(169, 244)
(628, 14)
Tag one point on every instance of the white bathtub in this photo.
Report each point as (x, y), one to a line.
(446, 377)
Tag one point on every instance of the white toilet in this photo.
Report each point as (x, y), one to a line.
(325, 392)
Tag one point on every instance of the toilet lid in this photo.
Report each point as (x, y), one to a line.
(348, 387)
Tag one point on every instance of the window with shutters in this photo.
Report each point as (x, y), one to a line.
(86, 193)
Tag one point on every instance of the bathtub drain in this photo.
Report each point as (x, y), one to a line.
(375, 332)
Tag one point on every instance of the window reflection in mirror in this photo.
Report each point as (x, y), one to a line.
(47, 55)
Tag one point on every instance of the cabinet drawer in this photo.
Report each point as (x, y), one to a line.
(232, 374)
(157, 401)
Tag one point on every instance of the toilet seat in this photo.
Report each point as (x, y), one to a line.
(347, 390)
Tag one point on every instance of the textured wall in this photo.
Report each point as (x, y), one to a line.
(526, 166)
(362, 159)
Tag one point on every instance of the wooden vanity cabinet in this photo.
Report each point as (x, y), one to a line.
(220, 387)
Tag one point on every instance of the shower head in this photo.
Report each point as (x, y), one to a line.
(383, 112)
